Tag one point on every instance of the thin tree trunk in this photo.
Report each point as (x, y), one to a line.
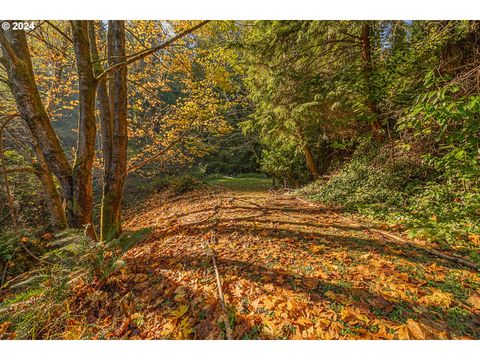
(311, 164)
(116, 168)
(103, 100)
(368, 72)
(307, 151)
(41, 170)
(82, 168)
(11, 205)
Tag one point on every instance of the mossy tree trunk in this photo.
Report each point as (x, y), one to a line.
(116, 140)
(85, 153)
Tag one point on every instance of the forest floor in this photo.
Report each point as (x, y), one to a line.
(288, 269)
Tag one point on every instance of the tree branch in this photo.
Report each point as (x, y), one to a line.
(59, 31)
(20, 169)
(140, 55)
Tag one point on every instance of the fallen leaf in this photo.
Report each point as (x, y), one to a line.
(138, 278)
(438, 298)
(474, 301)
(179, 312)
(475, 238)
(415, 329)
(310, 283)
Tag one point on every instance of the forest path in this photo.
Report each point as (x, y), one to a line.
(289, 270)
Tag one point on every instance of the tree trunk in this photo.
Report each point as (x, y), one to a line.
(103, 100)
(21, 80)
(82, 168)
(307, 151)
(53, 200)
(368, 72)
(311, 164)
(11, 205)
(116, 168)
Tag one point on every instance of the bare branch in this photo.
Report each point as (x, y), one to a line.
(140, 55)
(59, 31)
(20, 170)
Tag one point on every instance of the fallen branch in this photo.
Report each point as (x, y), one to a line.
(305, 201)
(228, 330)
(430, 251)
(387, 237)
(215, 212)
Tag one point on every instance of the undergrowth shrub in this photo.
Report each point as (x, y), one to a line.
(140, 188)
(284, 162)
(183, 184)
(13, 259)
(39, 305)
(401, 189)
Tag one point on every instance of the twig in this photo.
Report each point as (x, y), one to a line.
(6, 267)
(4, 274)
(11, 205)
(228, 330)
(215, 212)
(305, 201)
(263, 209)
(15, 278)
(33, 255)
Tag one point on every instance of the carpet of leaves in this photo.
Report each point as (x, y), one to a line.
(289, 270)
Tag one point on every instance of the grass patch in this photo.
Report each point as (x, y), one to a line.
(246, 182)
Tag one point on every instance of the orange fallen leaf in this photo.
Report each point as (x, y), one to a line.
(474, 301)
(438, 298)
(415, 329)
(475, 238)
(310, 283)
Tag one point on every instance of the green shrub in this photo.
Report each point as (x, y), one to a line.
(184, 184)
(402, 191)
(284, 162)
(40, 304)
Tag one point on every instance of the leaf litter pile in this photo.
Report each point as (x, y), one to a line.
(288, 270)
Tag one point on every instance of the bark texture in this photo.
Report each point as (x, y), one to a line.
(85, 154)
(116, 168)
